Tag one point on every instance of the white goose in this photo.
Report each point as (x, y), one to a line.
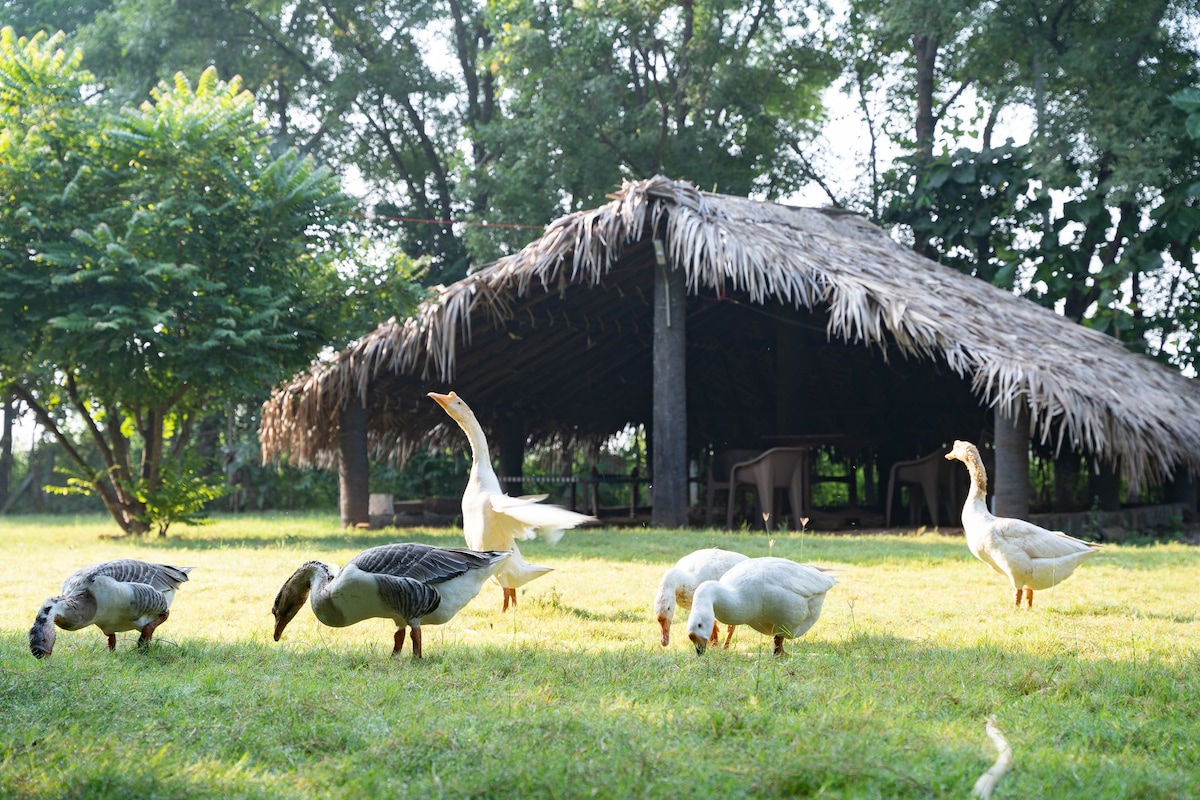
(411, 583)
(679, 584)
(774, 596)
(1031, 556)
(494, 521)
(121, 595)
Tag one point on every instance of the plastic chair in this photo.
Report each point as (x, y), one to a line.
(935, 477)
(718, 477)
(777, 468)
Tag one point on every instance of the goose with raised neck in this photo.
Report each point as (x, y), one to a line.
(1030, 556)
(492, 520)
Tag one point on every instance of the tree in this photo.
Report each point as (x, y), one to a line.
(713, 91)
(1088, 215)
(391, 90)
(156, 260)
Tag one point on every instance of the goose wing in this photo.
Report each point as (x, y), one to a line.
(1038, 542)
(161, 577)
(423, 563)
(147, 601)
(526, 517)
(409, 598)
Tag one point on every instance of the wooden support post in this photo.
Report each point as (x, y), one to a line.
(1104, 486)
(670, 397)
(354, 468)
(1010, 486)
(512, 451)
(1183, 488)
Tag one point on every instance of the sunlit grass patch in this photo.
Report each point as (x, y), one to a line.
(885, 697)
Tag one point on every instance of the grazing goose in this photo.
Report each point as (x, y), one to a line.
(494, 521)
(774, 596)
(1031, 556)
(412, 584)
(679, 584)
(121, 595)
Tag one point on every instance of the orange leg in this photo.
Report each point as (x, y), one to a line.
(779, 645)
(728, 637)
(715, 638)
(148, 631)
(399, 639)
(510, 595)
(416, 640)
(1018, 597)
(1028, 597)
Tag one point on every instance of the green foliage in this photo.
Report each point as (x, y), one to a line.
(157, 259)
(969, 207)
(182, 496)
(1094, 215)
(427, 473)
(595, 93)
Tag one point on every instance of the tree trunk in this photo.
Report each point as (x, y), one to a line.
(925, 52)
(1104, 486)
(790, 397)
(354, 464)
(1011, 483)
(6, 448)
(670, 398)
(1183, 488)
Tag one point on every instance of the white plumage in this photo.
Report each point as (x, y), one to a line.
(1031, 556)
(492, 520)
(121, 595)
(680, 581)
(411, 584)
(774, 596)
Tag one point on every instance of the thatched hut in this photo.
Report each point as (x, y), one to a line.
(717, 321)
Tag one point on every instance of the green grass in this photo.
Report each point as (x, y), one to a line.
(1097, 689)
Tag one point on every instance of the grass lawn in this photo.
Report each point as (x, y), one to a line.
(1097, 689)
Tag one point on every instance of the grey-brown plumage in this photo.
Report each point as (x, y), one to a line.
(121, 595)
(409, 583)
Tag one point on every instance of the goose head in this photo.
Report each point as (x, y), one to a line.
(962, 451)
(295, 591)
(454, 406)
(664, 610)
(43, 632)
(700, 627)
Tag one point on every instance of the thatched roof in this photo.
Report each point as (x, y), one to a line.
(557, 313)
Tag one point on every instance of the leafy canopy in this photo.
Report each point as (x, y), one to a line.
(155, 259)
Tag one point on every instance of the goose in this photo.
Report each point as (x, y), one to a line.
(775, 596)
(492, 520)
(120, 595)
(680, 581)
(410, 583)
(1031, 556)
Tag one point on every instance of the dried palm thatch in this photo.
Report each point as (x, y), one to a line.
(1082, 389)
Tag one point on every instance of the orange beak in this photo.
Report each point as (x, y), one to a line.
(442, 400)
(666, 630)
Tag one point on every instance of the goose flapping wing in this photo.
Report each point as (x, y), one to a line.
(527, 517)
